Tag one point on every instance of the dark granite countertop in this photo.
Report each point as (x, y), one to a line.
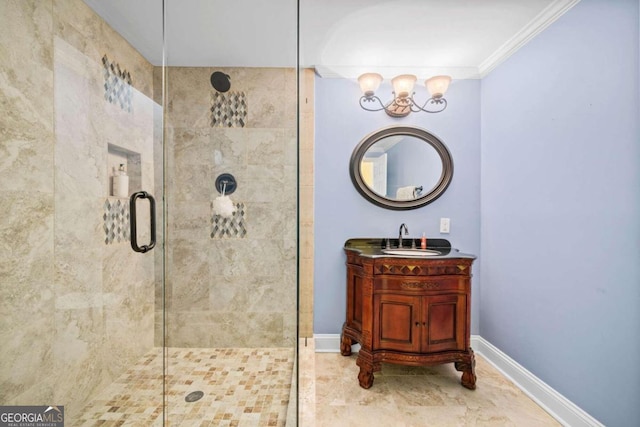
(372, 247)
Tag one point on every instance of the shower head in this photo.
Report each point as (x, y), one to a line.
(220, 81)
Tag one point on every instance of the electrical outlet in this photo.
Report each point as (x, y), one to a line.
(445, 224)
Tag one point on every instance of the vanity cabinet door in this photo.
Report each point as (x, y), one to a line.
(426, 324)
(354, 297)
(443, 322)
(396, 322)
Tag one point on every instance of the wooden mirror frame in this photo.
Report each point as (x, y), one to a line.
(385, 202)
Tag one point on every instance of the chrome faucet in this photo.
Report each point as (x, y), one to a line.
(406, 231)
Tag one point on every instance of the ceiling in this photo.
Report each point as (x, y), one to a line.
(340, 38)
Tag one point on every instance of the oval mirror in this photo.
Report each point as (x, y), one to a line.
(401, 167)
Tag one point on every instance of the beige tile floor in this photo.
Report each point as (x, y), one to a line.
(251, 387)
(409, 396)
(241, 387)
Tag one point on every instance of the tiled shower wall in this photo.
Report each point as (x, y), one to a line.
(74, 311)
(237, 290)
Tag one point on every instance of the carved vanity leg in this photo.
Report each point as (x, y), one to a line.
(345, 345)
(365, 376)
(468, 369)
(365, 362)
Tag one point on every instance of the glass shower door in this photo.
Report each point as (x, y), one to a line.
(231, 198)
(80, 133)
(99, 120)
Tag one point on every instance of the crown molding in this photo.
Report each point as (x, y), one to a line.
(538, 24)
(545, 18)
(387, 72)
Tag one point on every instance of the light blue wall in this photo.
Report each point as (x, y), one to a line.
(342, 213)
(560, 197)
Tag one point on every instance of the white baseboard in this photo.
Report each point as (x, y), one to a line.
(558, 406)
(330, 343)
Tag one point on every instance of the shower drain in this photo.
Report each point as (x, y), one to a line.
(194, 396)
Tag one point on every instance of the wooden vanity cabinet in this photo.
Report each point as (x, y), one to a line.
(408, 311)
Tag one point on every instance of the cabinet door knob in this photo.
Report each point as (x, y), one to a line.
(417, 323)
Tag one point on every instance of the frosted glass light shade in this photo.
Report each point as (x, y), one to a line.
(438, 85)
(369, 83)
(403, 85)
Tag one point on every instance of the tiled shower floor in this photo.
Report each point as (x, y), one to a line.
(242, 387)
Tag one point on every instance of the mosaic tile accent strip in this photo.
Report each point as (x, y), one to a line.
(116, 221)
(248, 386)
(233, 227)
(117, 85)
(228, 109)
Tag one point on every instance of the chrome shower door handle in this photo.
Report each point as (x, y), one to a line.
(134, 219)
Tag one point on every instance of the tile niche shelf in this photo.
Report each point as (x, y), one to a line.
(118, 155)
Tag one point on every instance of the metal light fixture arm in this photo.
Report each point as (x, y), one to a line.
(371, 99)
(438, 101)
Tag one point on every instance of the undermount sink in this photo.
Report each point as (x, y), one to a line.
(411, 252)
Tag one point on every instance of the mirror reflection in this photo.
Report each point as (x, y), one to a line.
(401, 167)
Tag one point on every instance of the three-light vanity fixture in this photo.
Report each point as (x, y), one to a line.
(403, 102)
